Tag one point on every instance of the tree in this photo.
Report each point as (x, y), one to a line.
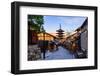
(35, 22)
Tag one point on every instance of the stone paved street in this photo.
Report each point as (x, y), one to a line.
(61, 53)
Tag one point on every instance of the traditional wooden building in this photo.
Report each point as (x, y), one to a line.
(60, 33)
(84, 34)
(32, 37)
(79, 38)
(46, 36)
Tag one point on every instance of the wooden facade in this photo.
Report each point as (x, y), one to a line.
(34, 37)
(78, 38)
(45, 36)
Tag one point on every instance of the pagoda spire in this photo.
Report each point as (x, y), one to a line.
(60, 26)
(60, 32)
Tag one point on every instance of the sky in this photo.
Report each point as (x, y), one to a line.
(68, 23)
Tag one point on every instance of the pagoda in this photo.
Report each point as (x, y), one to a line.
(60, 33)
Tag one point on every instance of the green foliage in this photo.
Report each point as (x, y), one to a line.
(35, 22)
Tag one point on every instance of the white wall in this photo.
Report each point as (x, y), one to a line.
(5, 33)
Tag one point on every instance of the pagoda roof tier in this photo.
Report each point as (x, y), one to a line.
(59, 36)
(59, 33)
(60, 30)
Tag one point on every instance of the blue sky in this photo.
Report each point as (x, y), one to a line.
(68, 23)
